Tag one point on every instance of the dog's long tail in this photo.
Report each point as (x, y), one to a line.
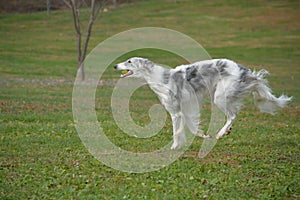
(264, 99)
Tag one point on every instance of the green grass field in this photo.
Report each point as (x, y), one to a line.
(41, 154)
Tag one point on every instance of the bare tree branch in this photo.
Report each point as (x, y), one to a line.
(101, 4)
(89, 30)
(94, 11)
(84, 2)
(67, 3)
(75, 12)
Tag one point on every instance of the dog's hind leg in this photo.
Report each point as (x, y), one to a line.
(229, 102)
(230, 110)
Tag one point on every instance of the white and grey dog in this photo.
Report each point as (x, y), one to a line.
(225, 81)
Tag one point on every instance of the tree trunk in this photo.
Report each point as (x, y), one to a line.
(80, 71)
(48, 6)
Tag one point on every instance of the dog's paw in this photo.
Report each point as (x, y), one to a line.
(207, 136)
(203, 136)
(222, 133)
(175, 146)
(228, 131)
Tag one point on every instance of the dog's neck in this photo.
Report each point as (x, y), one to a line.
(158, 79)
(156, 74)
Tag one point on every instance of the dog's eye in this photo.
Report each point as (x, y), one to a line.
(129, 61)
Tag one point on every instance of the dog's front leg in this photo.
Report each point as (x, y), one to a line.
(178, 130)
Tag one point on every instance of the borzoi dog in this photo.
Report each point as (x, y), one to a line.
(225, 81)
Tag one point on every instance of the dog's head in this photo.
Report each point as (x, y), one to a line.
(134, 67)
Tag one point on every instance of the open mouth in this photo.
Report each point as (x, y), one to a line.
(126, 73)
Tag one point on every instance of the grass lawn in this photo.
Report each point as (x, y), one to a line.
(42, 156)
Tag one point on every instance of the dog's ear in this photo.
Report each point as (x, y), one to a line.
(191, 72)
(148, 63)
